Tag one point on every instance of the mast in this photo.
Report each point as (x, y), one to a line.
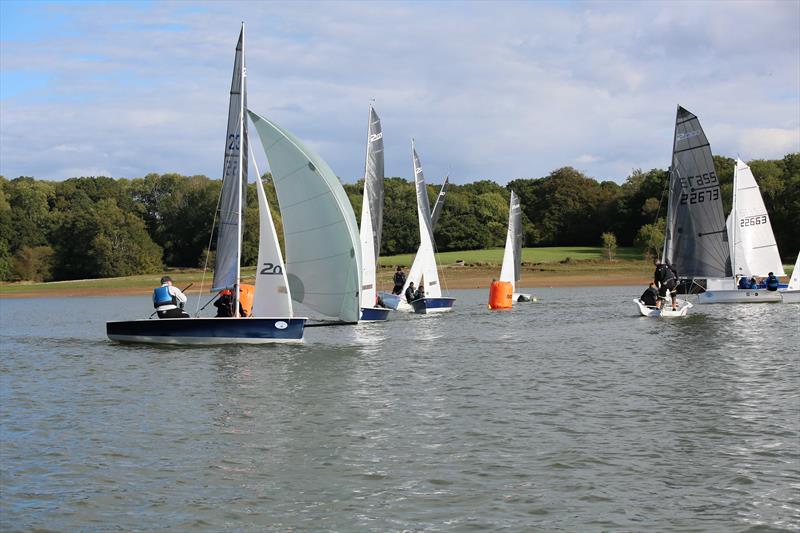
(734, 216)
(240, 172)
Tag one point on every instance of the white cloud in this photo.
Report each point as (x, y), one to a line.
(489, 91)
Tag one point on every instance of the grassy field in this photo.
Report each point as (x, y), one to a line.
(556, 260)
(529, 255)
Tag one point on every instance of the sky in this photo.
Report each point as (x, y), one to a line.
(489, 90)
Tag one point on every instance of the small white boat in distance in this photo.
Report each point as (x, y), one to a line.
(666, 311)
(433, 301)
(791, 294)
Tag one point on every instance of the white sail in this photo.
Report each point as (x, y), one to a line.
(371, 210)
(272, 297)
(415, 273)
(754, 251)
(511, 256)
(427, 259)
(794, 281)
(367, 255)
(323, 251)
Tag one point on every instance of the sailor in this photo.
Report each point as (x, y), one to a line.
(772, 282)
(399, 280)
(664, 278)
(169, 300)
(650, 295)
(420, 294)
(410, 294)
(225, 305)
(744, 283)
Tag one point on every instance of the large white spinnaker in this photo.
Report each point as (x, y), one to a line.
(323, 251)
(371, 210)
(754, 251)
(415, 272)
(272, 297)
(512, 256)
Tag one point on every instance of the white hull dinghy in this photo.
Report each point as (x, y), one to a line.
(753, 249)
(271, 319)
(695, 237)
(791, 294)
(666, 311)
(424, 270)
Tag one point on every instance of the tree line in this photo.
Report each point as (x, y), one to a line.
(102, 227)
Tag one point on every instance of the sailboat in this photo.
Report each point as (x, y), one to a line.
(323, 250)
(752, 245)
(372, 220)
(512, 256)
(696, 239)
(397, 301)
(271, 319)
(426, 272)
(791, 294)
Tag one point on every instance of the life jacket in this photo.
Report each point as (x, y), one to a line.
(162, 296)
(772, 283)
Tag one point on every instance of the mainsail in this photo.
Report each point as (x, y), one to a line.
(415, 273)
(696, 239)
(424, 266)
(323, 252)
(234, 180)
(512, 257)
(372, 210)
(794, 281)
(754, 251)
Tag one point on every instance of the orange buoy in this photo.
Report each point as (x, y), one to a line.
(500, 295)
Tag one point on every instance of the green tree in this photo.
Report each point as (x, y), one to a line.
(609, 245)
(650, 238)
(32, 264)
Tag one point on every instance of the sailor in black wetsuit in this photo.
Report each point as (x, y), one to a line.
(410, 292)
(666, 281)
(650, 296)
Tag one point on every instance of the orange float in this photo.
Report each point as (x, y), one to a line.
(501, 295)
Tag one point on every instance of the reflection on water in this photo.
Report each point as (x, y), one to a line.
(573, 413)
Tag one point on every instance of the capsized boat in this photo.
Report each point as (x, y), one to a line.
(426, 271)
(695, 237)
(503, 293)
(372, 221)
(791, 294)
(271, 319)
(753, 249)
(398, 301)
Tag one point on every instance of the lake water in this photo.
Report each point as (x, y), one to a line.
(572, 414)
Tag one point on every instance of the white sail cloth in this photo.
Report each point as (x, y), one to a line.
(754, 251)
(371, 210)
(323, 251)
(512, 256)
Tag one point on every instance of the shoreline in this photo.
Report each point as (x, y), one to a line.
(451, 277)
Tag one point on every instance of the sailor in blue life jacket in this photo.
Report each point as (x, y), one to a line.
(665, 279)
(169, 300)
(744, 283)
(410, 292)
(772, 282)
